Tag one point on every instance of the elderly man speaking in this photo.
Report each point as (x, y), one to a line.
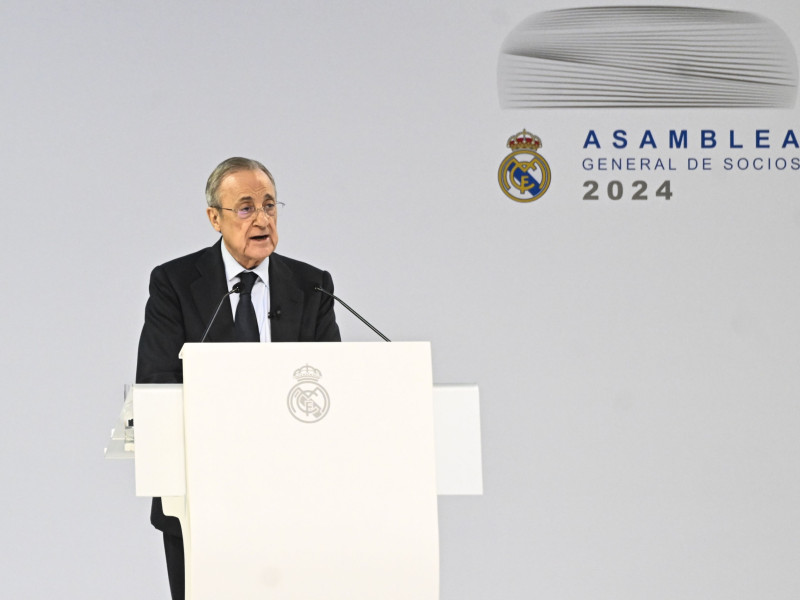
(276, 300)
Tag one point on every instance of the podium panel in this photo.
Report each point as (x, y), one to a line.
(159, 463)
(310, 471)
(160, 456)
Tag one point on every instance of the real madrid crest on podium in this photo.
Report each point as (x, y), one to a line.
(524, 175)
(308, 401)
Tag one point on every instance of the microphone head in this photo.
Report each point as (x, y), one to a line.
(236, 288)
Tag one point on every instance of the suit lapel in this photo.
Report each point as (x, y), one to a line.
(284, 296)
(208, 289)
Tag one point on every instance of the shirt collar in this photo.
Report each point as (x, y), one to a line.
(233, 268)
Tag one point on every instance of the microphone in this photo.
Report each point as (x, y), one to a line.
(234, 290)
(343, 303)
(274, 315)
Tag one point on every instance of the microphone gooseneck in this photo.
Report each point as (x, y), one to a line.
(234, 290)
(343, 303)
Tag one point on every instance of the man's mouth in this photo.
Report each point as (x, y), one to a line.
(259, 238)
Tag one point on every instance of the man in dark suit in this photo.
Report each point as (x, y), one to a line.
(280, 303)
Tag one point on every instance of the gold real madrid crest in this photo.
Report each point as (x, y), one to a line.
(524, 175)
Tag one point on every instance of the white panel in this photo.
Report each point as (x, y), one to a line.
(344, 508)
(158, 423)
(456, 414)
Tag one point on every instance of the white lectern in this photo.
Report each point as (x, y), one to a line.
(299, 471)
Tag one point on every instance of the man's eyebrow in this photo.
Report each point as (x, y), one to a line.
(267, 196)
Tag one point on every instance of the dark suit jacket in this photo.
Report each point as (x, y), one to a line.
(183, 296)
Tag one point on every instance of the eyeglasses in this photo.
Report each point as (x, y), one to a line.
(249, 211)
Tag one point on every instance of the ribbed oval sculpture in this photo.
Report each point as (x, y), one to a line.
(647, 56)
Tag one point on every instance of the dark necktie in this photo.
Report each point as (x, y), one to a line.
(245, 322)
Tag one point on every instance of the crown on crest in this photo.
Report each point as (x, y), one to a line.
(307, 372)
(524, 141)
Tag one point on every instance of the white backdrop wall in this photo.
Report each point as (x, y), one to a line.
(637, 360)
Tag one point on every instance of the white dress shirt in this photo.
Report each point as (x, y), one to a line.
(259, 295)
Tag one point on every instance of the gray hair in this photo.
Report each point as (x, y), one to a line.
(225, 168)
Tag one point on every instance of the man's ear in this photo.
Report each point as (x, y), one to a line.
(213, 218)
